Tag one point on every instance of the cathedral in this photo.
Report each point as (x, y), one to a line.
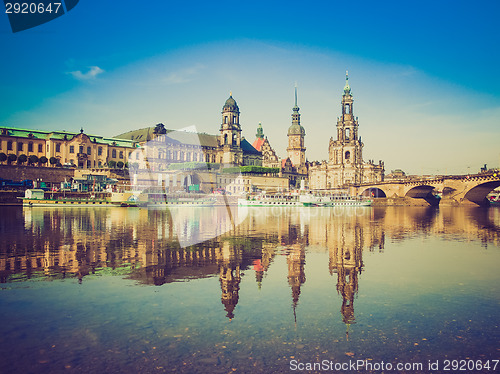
(345, 164)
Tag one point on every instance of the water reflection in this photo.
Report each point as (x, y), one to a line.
(143, 245)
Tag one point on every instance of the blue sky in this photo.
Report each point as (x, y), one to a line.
(424, 74)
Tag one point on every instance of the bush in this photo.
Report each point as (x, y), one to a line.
(33, 159)
(3, 157)
(11, 158)
(53, 160)
(22, 159)
(43, 160)
(111, 164)
(120, 164)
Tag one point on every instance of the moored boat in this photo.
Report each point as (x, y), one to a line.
(175, 200)
(304, 200)
(39, 197)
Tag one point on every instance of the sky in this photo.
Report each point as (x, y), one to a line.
(424, 75)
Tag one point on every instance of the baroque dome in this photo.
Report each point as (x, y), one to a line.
(230, 104)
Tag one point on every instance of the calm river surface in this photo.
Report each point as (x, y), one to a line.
(115, 290)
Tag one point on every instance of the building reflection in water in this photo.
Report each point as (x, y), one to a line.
(142, 244)
(346, 260)
(229, 262)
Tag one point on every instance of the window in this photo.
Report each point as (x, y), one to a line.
(80, 149)
(40, 148)
(99, 151)
(71, 149)
(113, 153)
(30, 147)
(58, 147)
(347, 155)
(89, 151)
(19, 147)
(347, 109)
(9, 146)
(121, 154)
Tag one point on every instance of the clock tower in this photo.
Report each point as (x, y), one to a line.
(296, 150)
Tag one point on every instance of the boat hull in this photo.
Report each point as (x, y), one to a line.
(326, 204)
(71, 203)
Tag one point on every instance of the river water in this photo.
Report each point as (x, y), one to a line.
(128, 290)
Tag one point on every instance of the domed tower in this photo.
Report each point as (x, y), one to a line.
(296, 150)
(230, 133)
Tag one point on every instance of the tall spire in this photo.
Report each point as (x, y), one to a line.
(347, 89)
(296, 108)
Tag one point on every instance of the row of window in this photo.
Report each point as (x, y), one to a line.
(20, 148)
(181, 156)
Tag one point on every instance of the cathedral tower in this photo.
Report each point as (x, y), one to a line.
(346, 151)
(296, 150)
(230, 133)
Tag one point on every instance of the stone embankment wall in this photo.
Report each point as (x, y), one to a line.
(47, 174)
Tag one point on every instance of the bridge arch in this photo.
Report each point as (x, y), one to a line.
(419, 192)
(374, 192)
(424, 192)
(478, 193)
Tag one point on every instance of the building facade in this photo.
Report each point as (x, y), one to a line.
(164, 147)
(269, 157)
(64, 148)
(345, 164)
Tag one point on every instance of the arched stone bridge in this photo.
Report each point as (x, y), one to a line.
(457, 188)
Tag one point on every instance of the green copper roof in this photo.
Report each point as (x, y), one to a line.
(61, 135)
(260, 131)
(296, 129)
(347, 88)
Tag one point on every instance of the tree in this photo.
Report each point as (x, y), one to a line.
(53, 161)
(43, 160)
(3, 157)
(22, 159)
(33, 159)
(120, 164)
(111, 164)
(159, 129)
(11, 158)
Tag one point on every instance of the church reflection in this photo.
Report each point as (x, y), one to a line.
(347, 262)
(141, 245)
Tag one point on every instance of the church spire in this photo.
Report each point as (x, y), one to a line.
(296, 108)
(347, 89)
